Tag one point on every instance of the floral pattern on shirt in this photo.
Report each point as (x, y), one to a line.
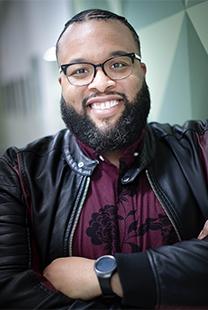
(103, 228)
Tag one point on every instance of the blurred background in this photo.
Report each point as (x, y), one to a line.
(174, 39)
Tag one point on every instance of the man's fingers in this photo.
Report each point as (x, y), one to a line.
(204, 233)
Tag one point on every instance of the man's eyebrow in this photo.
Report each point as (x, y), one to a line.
(77, 60)
(119, 53)
(114, 53)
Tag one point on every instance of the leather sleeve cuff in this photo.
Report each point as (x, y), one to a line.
(137, 280)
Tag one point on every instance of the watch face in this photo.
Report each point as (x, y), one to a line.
(105, 265)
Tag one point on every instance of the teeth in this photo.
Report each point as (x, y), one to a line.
(104, 105)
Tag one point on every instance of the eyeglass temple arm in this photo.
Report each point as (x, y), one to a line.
(138, 57)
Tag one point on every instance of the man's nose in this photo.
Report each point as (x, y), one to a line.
(101, 81)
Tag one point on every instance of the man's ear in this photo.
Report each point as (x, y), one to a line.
(144, 68)
(60, 79)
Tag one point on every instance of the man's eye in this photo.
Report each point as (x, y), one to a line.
(118, 65)
(80, 71)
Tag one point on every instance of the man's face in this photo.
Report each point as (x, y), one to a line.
(104, 101)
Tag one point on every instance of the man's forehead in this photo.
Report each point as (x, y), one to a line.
(90, 26)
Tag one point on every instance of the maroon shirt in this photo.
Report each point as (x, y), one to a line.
(120, 218)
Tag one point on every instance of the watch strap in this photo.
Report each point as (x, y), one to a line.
(105, 285)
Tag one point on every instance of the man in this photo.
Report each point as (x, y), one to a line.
(105, 214)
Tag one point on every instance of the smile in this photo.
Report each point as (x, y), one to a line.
(104, 105)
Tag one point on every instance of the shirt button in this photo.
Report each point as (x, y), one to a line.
(80, 164)
(101, 157)
(126, 179)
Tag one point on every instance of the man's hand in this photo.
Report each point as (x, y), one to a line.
(74, 277)
(204, 233)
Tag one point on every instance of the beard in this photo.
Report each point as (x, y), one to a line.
(127, 129)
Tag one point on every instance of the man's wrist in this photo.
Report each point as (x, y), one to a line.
(116, 285)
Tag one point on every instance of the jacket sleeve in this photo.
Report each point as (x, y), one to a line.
(173, 275)
(20, 286)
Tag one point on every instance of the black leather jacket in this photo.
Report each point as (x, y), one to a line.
(42, 191)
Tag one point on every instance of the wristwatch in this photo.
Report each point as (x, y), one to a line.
(105, 266)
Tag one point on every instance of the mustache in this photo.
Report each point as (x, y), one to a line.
(94, 95)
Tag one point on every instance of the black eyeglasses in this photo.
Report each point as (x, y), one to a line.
(116, 68)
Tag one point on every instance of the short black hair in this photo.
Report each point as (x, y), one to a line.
(99, 15)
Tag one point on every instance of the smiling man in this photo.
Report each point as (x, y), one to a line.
(111, 212)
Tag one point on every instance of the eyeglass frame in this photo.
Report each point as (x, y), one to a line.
(64, 67)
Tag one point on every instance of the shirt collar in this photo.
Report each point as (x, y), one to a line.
(128, 154)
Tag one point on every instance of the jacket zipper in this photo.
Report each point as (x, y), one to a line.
(78, 211)
(162, 204)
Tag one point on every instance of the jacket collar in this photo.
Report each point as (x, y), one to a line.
(84, 165)
(76, 159)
